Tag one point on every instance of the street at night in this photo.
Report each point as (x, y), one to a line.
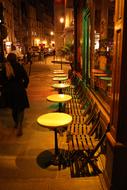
(63, 94)
(18, 155)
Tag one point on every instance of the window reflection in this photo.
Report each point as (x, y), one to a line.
(101, 69)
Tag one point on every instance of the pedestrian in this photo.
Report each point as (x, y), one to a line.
(15, 81)
(29, 59)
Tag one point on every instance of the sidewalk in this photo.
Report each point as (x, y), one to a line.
(19, 169)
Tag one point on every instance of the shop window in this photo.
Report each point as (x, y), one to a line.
(102, 57)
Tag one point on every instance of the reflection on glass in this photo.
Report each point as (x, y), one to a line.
(101, 69)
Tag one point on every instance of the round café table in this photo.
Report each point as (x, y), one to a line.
(54, 121)
(60, 75)
(59, 98)
(100, 74)
(60, 86)
(97, 71)
(58, 71)
(106, 78)
(60, 79)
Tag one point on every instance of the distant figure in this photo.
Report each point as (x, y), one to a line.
(15, 81)
(17, 52)
(29, 59)
(54, 53)
(41, 54)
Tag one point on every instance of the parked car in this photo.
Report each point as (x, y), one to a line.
(35, 51)
(51, 51)
(46, 52)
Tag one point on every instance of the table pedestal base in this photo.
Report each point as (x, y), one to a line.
(47, 158)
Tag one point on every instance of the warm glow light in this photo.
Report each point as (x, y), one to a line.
(8, 43)
(52, 42)
(61, 20)
(44, 42)
(67, 22)
(97, 38)
(52, 33)
(37, 41)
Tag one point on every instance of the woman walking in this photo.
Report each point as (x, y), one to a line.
(15, 82)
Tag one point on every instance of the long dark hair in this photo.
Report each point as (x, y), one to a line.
(11, 58)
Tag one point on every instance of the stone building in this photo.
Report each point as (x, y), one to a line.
(28, 23)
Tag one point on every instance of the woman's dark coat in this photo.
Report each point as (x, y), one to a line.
(15, 87)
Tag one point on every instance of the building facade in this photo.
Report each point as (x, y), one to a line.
(59, 23)
(28, 23)
(100, 62)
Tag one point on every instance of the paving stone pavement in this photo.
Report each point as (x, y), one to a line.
(19, 168)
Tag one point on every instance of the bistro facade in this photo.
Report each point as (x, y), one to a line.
(100, 28)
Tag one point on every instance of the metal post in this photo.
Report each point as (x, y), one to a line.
(61, 62)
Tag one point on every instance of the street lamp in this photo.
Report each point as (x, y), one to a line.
(62, 21)
(51, 33)
(52, 43)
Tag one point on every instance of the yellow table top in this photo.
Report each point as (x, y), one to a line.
(60, 78)
(54, 120)
(58, 71)
(100, 74)
(60, 75)
(59, 98)
(60, 85)
(97, 71)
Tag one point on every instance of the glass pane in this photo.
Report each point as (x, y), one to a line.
(101, 69)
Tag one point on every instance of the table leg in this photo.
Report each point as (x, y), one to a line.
(47, 158)
(56, 143)
(60, 91)
(60, 107)
(61, 156)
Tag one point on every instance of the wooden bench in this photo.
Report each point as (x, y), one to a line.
(84, 151)
(77, 108)
(81, 128)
